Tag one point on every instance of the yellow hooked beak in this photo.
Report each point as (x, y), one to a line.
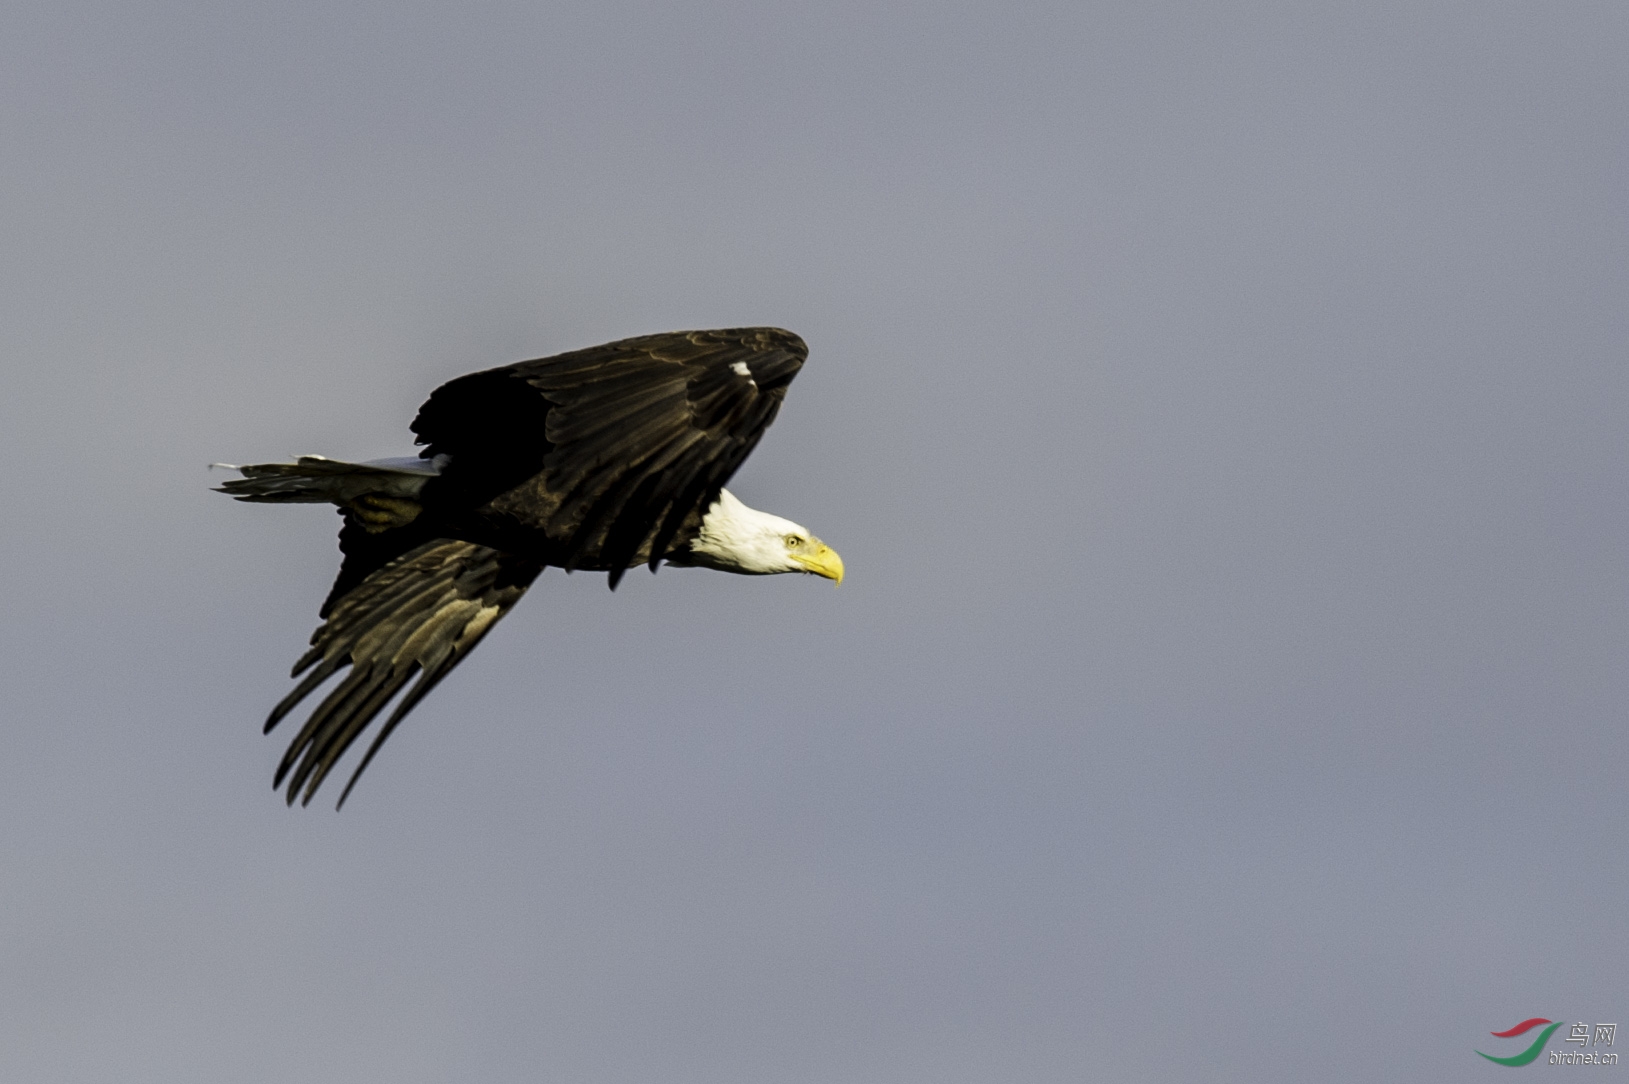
(822, 562)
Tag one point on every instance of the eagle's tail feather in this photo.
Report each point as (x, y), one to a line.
(382, 493)
(418, 615)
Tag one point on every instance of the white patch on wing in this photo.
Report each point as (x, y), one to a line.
(740, 368)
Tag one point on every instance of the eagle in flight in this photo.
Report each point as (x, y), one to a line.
(599, 459)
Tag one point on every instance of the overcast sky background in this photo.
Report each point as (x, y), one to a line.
(1221, 412)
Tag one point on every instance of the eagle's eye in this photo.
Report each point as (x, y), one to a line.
(793, 541)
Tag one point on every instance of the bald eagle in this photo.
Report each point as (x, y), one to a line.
(600, 459)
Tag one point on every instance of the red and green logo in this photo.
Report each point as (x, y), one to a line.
(1530, 1055)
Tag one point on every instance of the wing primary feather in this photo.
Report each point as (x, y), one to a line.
(341, 725)
(419, 615)
(429, 678)
(301, 750)
(333, 719)
(301, 691)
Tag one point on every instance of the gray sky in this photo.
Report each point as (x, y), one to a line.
(1220, 410)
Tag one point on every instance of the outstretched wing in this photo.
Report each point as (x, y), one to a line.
(609, 450)
(419, 614)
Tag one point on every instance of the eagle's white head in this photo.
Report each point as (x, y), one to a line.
(735, 538)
